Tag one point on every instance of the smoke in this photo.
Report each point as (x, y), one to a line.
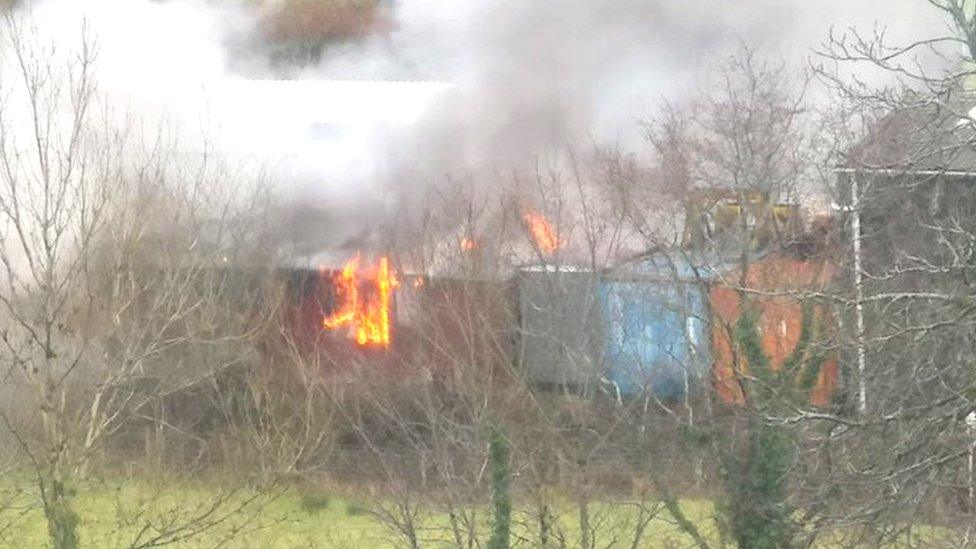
(528, 80)
(153, 59)
(534, 79)
(533, 75)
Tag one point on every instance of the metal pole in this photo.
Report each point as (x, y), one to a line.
(971, 429)
(858, 295)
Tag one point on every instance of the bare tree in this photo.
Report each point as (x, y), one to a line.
(903, 165)
(122, 265)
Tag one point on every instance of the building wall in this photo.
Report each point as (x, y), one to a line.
(459, 323)
(641, 328)
(561, 328)
(656, 338)
(776, 286)
(916, 240)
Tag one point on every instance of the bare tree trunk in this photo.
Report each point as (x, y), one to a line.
(501, 499)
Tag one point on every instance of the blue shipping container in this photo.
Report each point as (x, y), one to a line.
(656, 316)
(649, 321)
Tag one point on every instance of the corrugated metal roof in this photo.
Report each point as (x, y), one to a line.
(682, 265)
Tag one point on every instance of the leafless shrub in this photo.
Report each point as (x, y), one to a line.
(132, 278)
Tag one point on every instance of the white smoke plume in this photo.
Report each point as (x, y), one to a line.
(509, 81)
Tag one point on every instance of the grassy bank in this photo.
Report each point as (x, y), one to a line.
(115, 513)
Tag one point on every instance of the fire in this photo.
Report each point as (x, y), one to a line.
(467, 244)
(542, 232)
(364, 296)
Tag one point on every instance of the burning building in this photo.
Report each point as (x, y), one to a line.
(364, 301)
(522, 299)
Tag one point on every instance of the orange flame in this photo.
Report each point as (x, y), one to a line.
(364, 302)
(467, 244)
(542, 232)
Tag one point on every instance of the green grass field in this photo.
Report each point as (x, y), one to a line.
(116, 514)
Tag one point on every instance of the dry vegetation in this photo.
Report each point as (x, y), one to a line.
(159, 385)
